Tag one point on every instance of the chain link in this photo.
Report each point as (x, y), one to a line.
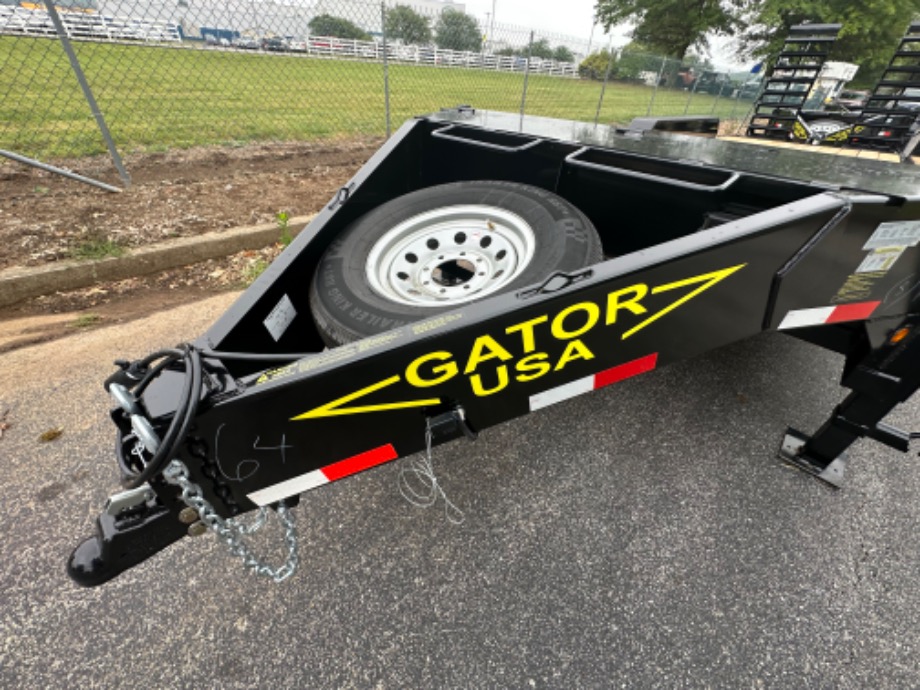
(231, 532)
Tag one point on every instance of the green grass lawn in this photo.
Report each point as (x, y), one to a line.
(155, 98)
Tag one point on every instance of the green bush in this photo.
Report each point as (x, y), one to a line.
(595, 65)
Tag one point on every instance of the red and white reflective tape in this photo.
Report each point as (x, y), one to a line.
(382, 454)
(799, 318)
(324, 475)
(590, 383)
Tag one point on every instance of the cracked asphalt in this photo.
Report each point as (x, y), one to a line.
(643, 536)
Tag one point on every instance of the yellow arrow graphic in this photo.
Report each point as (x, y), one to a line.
(335, 409)
(707, 280)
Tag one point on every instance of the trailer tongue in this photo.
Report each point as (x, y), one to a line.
(706, 242)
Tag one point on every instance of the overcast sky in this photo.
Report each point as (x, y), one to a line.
(571, 17)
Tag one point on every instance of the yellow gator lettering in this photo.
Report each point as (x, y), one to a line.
(490, 367)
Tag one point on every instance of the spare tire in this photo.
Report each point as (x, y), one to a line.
(439, 247)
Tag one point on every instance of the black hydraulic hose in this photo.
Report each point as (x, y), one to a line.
(256, 357)
(159, 456)
(187, 406)
(189, 416)
(153, 373)
(159, 354)
(184, 414)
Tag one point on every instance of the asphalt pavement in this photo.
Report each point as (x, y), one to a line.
(642, 536)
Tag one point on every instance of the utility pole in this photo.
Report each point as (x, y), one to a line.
(492, 28)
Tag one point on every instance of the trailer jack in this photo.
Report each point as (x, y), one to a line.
(875, 394)
(792, 451)
(795, 448)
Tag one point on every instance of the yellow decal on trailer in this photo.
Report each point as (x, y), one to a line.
(490, 366)
(334, 408)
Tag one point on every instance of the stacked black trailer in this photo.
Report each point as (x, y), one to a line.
(778, 108)
(887, 122)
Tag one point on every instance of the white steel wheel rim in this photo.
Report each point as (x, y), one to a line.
(450, 255)
(826, 127)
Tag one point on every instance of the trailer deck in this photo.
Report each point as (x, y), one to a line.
(707, 242)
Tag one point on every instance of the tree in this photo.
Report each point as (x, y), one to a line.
(405, 24)
(540, 49)
(636, 63)
(563, 54)
(870, 34)
(670, 27)
(457, 31)
(327, 25)
(700, 63)
(595, 66)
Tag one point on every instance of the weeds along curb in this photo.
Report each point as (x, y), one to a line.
(18, 284)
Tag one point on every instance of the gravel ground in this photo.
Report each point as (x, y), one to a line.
(642, 536)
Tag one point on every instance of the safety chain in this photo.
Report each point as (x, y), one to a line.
(231, 532)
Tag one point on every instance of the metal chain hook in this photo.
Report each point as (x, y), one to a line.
(231, 532)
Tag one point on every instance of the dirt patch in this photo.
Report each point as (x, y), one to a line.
(44, 218)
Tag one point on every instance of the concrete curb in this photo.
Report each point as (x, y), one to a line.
(18, 284)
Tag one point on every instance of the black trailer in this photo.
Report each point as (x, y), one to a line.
(343, 356)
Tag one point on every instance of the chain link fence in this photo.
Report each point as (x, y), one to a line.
(158, 74)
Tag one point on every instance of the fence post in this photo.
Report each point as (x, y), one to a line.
(690, 97)
(526, 75)
(386, 64)
(600, 101)
(735, 104)
(651, 102)
(87, 92)
(718, 97)
(58, 171)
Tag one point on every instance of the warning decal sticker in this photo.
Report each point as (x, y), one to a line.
(901, 233)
